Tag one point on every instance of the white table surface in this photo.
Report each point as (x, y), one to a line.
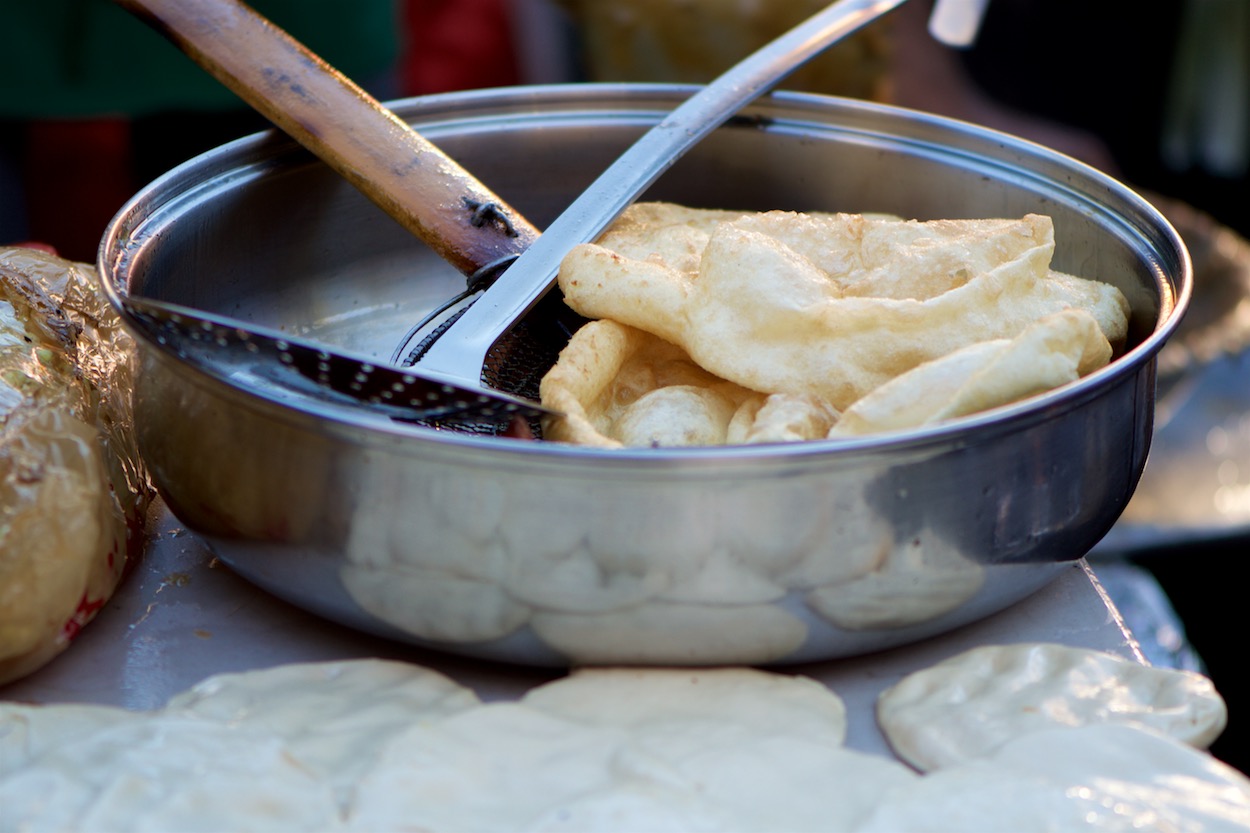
(182, 616)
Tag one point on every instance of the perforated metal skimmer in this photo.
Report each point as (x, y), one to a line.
(267, 360)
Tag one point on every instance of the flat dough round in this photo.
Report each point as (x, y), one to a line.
(335, 717)
(635, 698)
(765, 780)
(500, 766)
(168, 772)
(27, 731)
(1104, 777)
(758, 748)
(969, 705)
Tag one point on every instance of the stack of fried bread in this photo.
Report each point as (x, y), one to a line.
(716, 326)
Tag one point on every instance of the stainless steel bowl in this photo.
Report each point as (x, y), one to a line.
(544, 554)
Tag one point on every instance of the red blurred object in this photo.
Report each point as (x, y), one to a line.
(457, 45)
(32, 244)
(79, 172)
(519, 429)
(77, 176)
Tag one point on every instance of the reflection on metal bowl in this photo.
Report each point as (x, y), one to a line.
(1196, 486)
(541, 553)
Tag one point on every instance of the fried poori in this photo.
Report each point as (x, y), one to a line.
(714, 326)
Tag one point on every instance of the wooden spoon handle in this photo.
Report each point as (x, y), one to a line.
(405, 174)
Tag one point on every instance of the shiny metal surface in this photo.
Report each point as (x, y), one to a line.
(545, 554)
(244, 354)
(1195, 489)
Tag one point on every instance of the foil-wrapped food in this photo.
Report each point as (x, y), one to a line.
(73, 491)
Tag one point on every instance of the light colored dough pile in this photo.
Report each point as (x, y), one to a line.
(715, 327)
(376, 745)
(371, 745)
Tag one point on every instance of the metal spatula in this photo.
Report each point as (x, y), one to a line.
(461, 350)
(427, 191)
(272, 361)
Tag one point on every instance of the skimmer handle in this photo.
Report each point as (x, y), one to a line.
(405, 174)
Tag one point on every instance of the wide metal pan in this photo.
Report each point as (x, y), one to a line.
(545, 554)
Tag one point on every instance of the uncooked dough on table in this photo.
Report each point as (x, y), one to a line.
(182, 616)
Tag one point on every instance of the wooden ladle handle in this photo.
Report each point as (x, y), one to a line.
(405, 174)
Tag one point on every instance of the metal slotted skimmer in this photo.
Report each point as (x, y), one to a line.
(506, 337)
(279, 363)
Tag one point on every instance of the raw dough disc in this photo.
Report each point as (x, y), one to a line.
(1099, 777)
(970, 704)
(334, 716)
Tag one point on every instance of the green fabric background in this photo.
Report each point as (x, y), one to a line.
(83, 58)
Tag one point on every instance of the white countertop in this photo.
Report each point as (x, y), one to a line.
(182, 616)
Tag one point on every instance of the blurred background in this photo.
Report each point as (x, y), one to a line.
(94, 105)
